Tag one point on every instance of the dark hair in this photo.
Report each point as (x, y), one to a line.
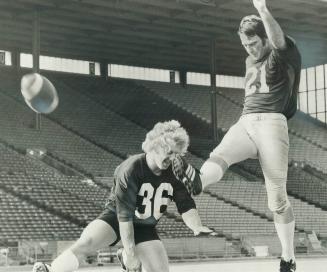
(252, 25)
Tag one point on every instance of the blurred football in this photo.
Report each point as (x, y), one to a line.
(39, 93)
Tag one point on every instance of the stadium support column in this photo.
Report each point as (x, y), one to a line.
(104, 69)
(36, 56)
(213, 92)
(182, 78)
(15, 58)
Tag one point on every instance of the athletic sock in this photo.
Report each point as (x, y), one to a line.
(285, 233)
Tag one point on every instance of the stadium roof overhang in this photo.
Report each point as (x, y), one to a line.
(170, 34)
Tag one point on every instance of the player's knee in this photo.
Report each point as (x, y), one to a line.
(84, 245)
(155, 264)
(284, 215)
(213, 170)
(219, 159)
(279, 206)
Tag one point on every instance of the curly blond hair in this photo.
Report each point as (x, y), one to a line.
(168, 135)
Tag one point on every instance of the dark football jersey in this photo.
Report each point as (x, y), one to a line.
(140, 195)
(271, 84)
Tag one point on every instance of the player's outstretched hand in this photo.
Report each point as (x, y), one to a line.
(259, 4)
(133, 264)
(205, 231)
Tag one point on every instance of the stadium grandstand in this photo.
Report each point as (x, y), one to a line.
(119, 67)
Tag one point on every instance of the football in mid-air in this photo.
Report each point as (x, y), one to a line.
(39, 93)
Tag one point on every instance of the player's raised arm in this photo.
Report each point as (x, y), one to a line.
(274, 32)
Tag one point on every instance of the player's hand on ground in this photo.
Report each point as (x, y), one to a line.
(205, 231)
(133, 264)
(259, 4)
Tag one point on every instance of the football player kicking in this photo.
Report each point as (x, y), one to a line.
(144, 185)
(271, 83)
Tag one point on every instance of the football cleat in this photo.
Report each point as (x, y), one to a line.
(187, 174)
(120, 259)
(41, 267)
(289, 266)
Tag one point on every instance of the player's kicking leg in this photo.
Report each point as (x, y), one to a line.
(236, 146)
(95, 236)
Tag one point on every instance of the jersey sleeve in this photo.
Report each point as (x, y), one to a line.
(288, 55)
(126, 190)
(184, 201)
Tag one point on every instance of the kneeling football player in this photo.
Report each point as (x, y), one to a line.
(144, 185)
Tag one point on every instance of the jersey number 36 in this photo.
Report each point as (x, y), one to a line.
(153, 200)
